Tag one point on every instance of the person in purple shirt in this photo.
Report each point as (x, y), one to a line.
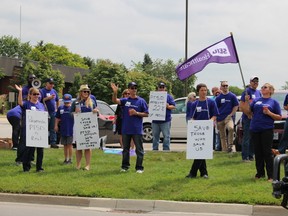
(134, 109)
(51, 101)
(284, 139)
(247, 145)
(202, 109)
(64, 115)
(163, 126)
(265, 111)
(14, 118)
(227, 104)
(31, 104)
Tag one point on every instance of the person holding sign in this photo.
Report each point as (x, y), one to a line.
(264, 111)
(63, 114)
(163, 126)
(83, 104)
(202, 109)
(134, 109)
(31, 104)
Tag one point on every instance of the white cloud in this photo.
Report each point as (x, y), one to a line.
(125, 30)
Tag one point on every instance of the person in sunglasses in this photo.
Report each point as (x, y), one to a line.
(265, 110)
(84, 103)
(227, 104)
(31, 104)
(253, 93)
(163, 126)
(134, 109)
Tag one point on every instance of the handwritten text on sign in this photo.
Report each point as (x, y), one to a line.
(36, 129)
(200, 139)
(157, 105)
(86, 131)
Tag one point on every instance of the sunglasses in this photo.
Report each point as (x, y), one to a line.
(34, 94)
(255, 81)
(161, 87)
(224, 85)
(264, 87)
(133, 88)
(126, 93)
(51, 83)
(86, 92)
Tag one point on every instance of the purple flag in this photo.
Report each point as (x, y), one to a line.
(222, 52)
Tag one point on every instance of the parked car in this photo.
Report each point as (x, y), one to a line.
(278, 125)
(178, 124)
(105, 122)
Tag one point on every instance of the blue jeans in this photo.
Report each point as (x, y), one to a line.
(157, 128)
(247, 145)
(216, 141)
(52, 133)
(284, 139)
(137, 138)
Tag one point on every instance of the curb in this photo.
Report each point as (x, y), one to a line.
(146, 205)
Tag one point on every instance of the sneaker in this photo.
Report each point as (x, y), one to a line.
(69, 161)
(18, 163)
(54, 146)
(140, 171)
(246, 161)
(40, 170)
(65, 162)
(124, 170)
(205, 176)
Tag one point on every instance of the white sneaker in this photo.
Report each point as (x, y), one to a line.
(123, 170)
(139, 171)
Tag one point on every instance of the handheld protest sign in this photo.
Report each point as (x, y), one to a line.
(157, 105)
(200, 139)
(36, 129)
(86, 131)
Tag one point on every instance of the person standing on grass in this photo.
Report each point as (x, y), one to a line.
(284, 139)
(216, 135)
(31, 104)
(134, 109)
(64, 116)
(83, 104)
(265, 110)
(227, 104)
(51, 101)
(163, 126)
(118, 119)
(202, 109)
(247, 144)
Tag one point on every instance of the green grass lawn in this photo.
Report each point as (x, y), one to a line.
(230, 180)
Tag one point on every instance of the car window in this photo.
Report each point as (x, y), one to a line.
(280, 97)
(180, 107)
(104, 108)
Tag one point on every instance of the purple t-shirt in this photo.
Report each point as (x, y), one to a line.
(16, 112)
(225, 104)
(261, 121)
(50, 104)
(133, 124)
(168, 117)
(253, 93)
(67, 121)
(202, 110)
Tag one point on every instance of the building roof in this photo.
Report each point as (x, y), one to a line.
(7, 64)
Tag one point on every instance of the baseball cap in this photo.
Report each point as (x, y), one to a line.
(161, 84)
(254, 77)
(67, 98)
(50, 80)
(132, 84)
(84, 87)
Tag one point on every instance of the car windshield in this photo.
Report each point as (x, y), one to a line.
(104, 109)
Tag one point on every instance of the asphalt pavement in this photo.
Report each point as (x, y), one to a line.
(140, 205)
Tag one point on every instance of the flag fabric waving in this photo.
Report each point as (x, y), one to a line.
(222, 52)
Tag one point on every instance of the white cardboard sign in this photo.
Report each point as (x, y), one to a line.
(157, 105)
(36, 128)
(200, 139)
(86, 131)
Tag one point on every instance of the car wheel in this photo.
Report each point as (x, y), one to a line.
(147, 133)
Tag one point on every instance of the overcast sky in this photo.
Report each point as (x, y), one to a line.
(124, 30)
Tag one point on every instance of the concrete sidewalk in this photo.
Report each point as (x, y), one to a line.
(146, 205)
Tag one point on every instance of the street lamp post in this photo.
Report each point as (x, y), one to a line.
(186, 45)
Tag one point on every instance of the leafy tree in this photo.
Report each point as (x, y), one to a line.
(1, 73)
(236, 90)
(73, 90)
(55, 54)
(285, 87)
(102, 74)
(12, 47)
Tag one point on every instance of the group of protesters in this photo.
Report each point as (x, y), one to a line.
(259, 113)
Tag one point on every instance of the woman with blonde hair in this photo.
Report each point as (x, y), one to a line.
(83, 104)
(264, 111)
